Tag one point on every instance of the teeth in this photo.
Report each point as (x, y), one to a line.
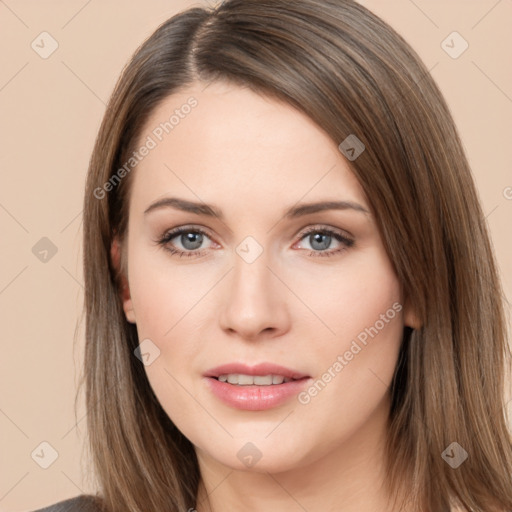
(249, 380)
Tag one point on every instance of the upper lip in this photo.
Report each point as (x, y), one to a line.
(258, 369)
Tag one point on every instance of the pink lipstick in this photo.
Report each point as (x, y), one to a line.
(254, 388)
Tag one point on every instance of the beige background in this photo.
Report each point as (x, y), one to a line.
(51, 109)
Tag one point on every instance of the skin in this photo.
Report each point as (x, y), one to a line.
(253, 157)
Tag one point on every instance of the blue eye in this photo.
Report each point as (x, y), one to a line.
(321, 238)
(191, 239)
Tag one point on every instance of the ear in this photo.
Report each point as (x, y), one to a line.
(410, 317)
(124, 292)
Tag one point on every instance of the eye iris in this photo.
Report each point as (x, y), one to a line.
(195, 239)
(316, 237)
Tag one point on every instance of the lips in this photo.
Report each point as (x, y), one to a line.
(248, 387)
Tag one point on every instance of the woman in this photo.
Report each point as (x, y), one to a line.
(291, 297)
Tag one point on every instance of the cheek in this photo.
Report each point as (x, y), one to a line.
(370, 302)
(165, 296)
(352, 297)
(166, 301)
(357, 355)
(170, 302)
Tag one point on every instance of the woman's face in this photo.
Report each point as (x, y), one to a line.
(259, 280)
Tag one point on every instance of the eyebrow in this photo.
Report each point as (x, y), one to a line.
(212, 211)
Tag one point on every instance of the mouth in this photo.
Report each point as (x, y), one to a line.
(255, 388)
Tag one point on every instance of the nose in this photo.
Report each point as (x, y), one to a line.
(254, 301)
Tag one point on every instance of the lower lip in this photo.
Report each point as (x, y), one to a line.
(255, 398)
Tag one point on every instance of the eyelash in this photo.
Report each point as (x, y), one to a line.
(169, 235)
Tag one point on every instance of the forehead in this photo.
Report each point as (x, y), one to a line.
(224, 141)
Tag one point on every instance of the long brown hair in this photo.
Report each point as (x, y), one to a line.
(351, 73)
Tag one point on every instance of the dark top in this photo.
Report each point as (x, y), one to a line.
(82, 503)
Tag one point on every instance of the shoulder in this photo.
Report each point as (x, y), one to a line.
(82, 503)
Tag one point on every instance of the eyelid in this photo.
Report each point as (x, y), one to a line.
(342, 236)
(169, 234)
(324, 227)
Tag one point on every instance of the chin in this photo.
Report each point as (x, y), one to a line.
(259, 456)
